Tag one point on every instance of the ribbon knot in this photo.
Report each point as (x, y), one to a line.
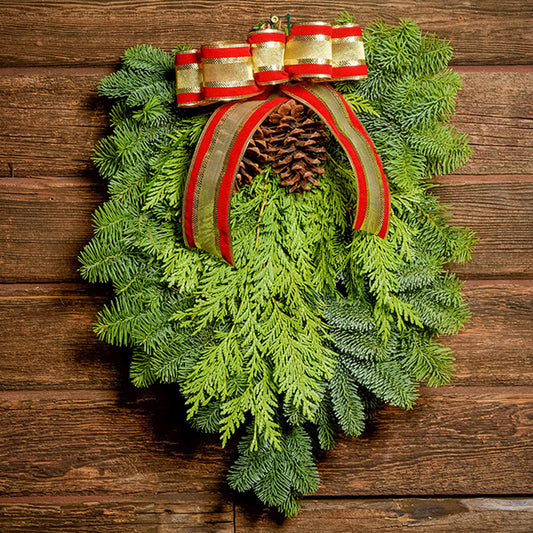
(314, 53)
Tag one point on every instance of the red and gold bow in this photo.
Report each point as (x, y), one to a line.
(315, 53)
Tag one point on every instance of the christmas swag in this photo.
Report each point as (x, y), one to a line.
(229, 235)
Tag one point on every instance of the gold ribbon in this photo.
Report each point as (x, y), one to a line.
(222, 145)
(336, 57)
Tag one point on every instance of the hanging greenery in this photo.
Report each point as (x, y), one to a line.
(316, 324)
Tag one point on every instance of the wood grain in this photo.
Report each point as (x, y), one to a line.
(48, 341)
(49, 124)
(50, 219)
(457, 440)
(194, 512)
(495, 346)
(105, 443)
(496, 110)
(499, 210)
(431, 515)
(170, 513)
(96, 33)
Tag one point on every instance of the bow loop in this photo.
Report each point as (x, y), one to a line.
(313, 52)
(225, 71)
(210, 184)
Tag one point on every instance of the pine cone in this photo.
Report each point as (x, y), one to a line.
(253, 161)
(292, 142)
(296, 145)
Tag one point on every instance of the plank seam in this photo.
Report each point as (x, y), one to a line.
(322, 497)
(103, 70)
(169, 497)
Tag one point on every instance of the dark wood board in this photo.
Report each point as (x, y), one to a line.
(48, 218)
(170, 513)
(496, 110)
(59, 443)
(457, 440)
(96, 33)
(431, 515)
(189, 512)
(51, 122)
(48, 343)
(497, 208)
(47, 340)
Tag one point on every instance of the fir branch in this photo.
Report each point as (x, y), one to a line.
(148, 58)
(317, 323)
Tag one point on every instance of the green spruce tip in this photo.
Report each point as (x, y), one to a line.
(317, 324)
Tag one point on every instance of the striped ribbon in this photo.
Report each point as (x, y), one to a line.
(207, 199)
(224, 71)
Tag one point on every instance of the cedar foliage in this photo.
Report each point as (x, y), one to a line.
(317, 324)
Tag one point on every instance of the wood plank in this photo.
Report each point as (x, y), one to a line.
(50, 123)
(495, 346)
(431, 515)
(50, 218)
(194, 512)
(92, 443)
(154, 514)
(457, 440)
(48, 343)
(96, 33)
(498, 210)
(496, 110)
(47, 339)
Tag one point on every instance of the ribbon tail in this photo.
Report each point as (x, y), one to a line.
(373, 202)
(209, 187)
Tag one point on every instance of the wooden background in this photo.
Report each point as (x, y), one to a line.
(81, 450)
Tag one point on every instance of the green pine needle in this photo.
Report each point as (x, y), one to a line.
(317, 324)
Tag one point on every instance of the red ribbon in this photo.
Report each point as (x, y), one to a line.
(207, 199)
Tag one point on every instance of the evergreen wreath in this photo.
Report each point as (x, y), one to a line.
(317, 324)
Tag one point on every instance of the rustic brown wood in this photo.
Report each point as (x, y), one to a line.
(498, 209)
(169, 513)
(458, 440)
(495, 346)
(50, 218)
(96, 33)
(103, 443)
(49, 124)
(48, 341)
(496, 111)
(432, 515)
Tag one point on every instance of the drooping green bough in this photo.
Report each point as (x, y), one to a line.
(316, 324)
